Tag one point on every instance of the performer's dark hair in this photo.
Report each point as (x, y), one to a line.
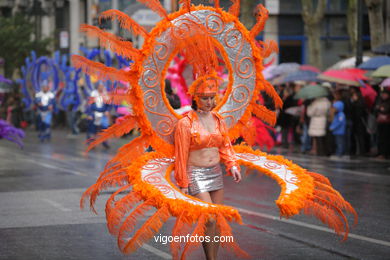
(194, 106)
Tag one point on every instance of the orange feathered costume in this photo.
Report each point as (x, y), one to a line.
(145, 178)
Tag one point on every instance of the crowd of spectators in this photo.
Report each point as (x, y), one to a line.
(342, 124)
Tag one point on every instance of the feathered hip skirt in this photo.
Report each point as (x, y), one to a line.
(202, 179)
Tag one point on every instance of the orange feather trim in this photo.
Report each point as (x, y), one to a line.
(98, 69)
(198, 231)
(235, 8)
(109, 40)
(120, 209)
(248, 132)
(338, 202)
(271, 92)
(111, 200)
(125, 22)
(261, 17)
(185, 4)
(116, 130)
(93, 192)
(148, 230)
(117, 99)
(312, 196)
(339, 228)
(226, 231)
(295, 202)
(264, 114)
(181, 227)
(129, 152)
(324, 214)
(130, 222)
(155, 6)
(268, 47)
(320, 178)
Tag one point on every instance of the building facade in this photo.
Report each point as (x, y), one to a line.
(61, 19)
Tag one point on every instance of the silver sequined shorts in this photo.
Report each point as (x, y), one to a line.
(202, 179)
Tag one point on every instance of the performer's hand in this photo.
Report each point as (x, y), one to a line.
(184, 190)
(236, 175)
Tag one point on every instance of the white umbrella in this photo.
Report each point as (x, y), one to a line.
(347, 63)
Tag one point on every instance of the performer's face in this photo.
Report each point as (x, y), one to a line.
(45, 89)
(206, 103)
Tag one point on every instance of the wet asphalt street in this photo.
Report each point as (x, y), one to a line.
(40, 188)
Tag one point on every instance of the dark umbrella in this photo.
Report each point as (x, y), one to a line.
(304, 75)
(382, 49)
(311, 91)
(375, 62)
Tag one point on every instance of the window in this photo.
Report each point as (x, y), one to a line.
(290, 25)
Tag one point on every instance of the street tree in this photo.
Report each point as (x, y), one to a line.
(246, 13)
(375, 17)
(16, 34)
(312, 16)
(352, 24)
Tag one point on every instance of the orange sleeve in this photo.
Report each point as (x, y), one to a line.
(182, 147)
(226, 151)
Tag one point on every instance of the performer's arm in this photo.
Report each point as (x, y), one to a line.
(182, 146)
(226, 152)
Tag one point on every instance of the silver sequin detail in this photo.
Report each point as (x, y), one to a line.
(202, 179)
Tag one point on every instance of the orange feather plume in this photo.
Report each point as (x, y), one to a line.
(130, 222)
(129, 152)
(115, 179)
(125, 22)
(148, 230)
(119, 210)
(98, 69)
(116, 130)
(216, 3)
(319, 177)
(261, 17)
(186, 4)
(109, 40)
(271, 92)
(248, 132)
(264, 114)
(117, 98)
(155, 6)
(181, 227)
(235, 7)
(199, 230)
(268, 47)
(197, 46)
(111, 199)
(226, 231)
(325, 215)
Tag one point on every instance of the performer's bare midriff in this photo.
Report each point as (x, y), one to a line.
(206, 157)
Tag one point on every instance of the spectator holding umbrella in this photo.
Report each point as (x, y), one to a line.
(318, 112)
(338, 127)
(383, 119)
(358, 117)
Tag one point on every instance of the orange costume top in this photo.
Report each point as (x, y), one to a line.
(190, 135)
